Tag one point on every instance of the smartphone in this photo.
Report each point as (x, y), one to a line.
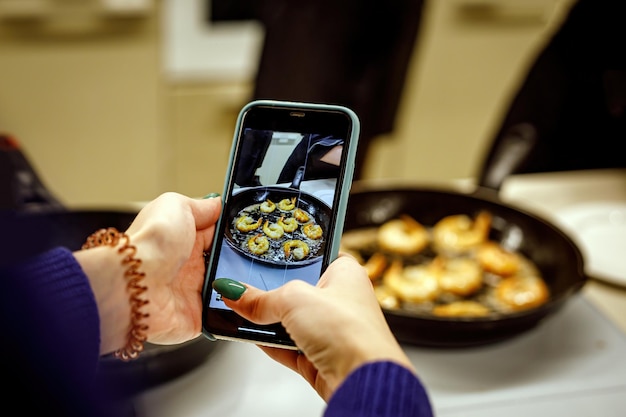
(284, 202)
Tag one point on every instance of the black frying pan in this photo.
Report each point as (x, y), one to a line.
(558, 258)
(314, 206)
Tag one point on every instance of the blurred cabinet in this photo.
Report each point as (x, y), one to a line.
(118, 107)
(82, 92)
(203, 118)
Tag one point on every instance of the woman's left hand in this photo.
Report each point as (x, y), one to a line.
(171, 234)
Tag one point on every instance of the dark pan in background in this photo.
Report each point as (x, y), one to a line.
(558, 258)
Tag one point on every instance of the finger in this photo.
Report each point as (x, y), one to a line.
(205, 212)
(344, 272)
(258, 306)
(285, 357)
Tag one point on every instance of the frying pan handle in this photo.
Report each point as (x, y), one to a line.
(297, 179)
(508, 155)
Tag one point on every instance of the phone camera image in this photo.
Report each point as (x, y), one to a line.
(270, 230)
(284, 200)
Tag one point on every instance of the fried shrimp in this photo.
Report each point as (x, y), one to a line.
(497, 260)
(375, 266)
(463, 308)
(403, 236)
(289, 224)
(296, 249)
(460, 233)
(415, 283)
(287, 204)
(312, 231)
(267, 206)
(458, 276)
(258, 244)
(386, 298)
(248, 224)
(522, 292)
(273, 230)
(301, 215)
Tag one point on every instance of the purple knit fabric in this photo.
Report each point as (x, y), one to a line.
(380, 389)
(57, 282)
(52, 328)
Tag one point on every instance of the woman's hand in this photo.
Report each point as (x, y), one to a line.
(337, 325)
(170, 234)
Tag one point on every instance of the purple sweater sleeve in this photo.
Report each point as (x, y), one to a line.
(61, 293)
(380, 389)
(51, 321)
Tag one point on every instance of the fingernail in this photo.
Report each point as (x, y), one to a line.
(229, 288)
(211, 195)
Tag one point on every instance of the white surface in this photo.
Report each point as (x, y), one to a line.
(575, 354)
(573, 364)
(599, 229)
(196, 49)
(237, 380)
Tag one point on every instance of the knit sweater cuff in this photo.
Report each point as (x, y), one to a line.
(58, 282)
(380, 389)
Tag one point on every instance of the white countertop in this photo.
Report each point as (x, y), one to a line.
(573, 363)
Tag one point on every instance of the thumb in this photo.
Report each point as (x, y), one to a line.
(261, 307)
(205, 212)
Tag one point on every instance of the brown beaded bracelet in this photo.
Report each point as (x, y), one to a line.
(138, 331)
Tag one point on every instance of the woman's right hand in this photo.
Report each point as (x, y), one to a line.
(337, 325)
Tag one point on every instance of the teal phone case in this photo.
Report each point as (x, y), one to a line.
(340, 205)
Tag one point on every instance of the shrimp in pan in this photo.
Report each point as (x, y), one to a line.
(301, 215)
(289, 224)
(296, 249)
(459, 276)
(414, 283)
(287, 204)
(258, 244)
(521, 292)
(247, 223)
(462, 308)
(497, 260)
(312, 231)
(267, 206)
(386, 298)
(460, 233)
(402, 236)
(273, 230)
(375, 265)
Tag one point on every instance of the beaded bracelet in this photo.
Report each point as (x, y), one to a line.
(138, 331)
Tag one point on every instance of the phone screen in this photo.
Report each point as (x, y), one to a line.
(283, 206)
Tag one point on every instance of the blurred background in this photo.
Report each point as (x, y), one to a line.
(115, 101)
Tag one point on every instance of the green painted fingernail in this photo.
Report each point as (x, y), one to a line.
(211, 195)
(229, 288)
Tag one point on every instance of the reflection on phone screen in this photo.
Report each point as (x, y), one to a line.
(279, 210)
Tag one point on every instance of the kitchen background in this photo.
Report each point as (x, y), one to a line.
(115, 101)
